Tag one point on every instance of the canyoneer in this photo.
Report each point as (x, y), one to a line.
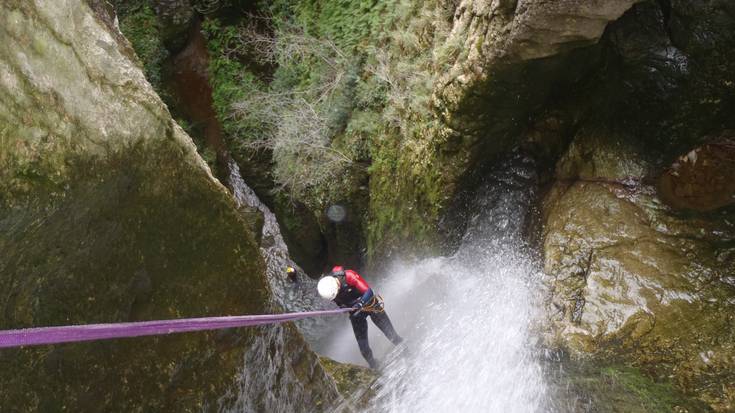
(349, 290)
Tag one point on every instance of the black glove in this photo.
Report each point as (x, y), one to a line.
(356, 308)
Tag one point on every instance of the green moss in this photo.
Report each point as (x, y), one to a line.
(407, 193)
(619, 388)
(349, 24)
(108, 215)
(140, 26)
(383, 124)
(353, 382)
(654, 396)
(156, 239)
(230, 78)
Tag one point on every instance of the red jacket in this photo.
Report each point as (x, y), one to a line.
(353, 288)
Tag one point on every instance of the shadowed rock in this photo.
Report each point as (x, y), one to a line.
(107, 214)
(703, 179)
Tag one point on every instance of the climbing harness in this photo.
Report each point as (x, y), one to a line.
(375, 305)
(88, 332)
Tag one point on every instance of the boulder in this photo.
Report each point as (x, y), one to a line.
(634, 280)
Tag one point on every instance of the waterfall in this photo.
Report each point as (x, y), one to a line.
(468, 318)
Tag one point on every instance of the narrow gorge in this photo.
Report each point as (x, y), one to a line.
(543, 193)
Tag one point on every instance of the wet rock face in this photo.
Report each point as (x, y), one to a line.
(505, 60)
(703, 179)
(107, 214)
(353, 382)
(669, 75)
(302, 233)
(540, 29)
(633, 279)
(289, 377)
(661, 71)
(501, 40)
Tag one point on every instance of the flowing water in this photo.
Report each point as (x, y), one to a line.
(468, 319)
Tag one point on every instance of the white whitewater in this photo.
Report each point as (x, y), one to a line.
(468, 319)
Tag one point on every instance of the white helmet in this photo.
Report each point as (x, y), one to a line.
(328, 287)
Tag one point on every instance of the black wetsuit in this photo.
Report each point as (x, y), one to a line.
(353, 290)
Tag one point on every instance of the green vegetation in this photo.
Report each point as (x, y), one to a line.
(353, 382)
(651, 395)
(230, 78)
(618, 388)
(345, 94)
(140, 26)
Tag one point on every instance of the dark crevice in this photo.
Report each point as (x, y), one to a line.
(665, 6)
(187, 82)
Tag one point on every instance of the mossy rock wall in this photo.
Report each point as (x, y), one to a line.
(474, 76)
(107, 214)
(605, 388)
(493, 68)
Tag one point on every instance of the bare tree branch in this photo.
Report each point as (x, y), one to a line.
(294, 122)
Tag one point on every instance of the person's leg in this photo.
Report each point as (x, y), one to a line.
(383, 322)
(360, 327)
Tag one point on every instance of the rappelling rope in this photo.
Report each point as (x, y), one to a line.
(88, 332)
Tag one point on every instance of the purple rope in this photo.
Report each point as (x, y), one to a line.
(67, 334)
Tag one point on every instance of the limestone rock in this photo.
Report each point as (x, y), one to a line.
(497, 42)
(541, 29)
(354, 382)
(633, 280)
(498, 65)
(107, 214)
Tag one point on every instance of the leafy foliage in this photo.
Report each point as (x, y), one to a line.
(140, 26)
(229, 77)
(293, 117)
(351, 86)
